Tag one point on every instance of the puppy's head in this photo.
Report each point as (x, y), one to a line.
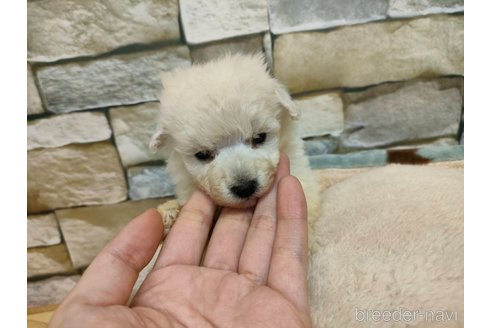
(224, 119)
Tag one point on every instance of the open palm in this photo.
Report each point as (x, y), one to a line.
(252, 273)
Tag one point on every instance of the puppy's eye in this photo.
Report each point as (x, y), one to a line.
(259, 139)
(205, 155)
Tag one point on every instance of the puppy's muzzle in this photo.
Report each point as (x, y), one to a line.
(245, 188)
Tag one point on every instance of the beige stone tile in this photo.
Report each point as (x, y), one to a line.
(42, 230)
(34, 105)
(59, 29)
(369, 54)
(50, 260)
(74, 175)
(67, 129)
(321, 114)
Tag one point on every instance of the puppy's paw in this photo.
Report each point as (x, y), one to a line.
(169, 212)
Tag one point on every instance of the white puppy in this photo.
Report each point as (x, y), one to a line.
(223, 125)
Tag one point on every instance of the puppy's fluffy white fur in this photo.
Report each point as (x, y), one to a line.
(220, 110)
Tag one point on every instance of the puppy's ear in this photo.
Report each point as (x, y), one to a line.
(158, 140)
(285, 100)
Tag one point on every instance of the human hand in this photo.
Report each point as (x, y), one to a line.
(252, 274)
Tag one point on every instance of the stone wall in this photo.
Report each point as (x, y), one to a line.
(374, 78)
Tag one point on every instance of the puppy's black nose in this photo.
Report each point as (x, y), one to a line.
(245, 188)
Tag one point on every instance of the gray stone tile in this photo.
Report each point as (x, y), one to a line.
(369, 54)
(212, 20)
(149, 182)
(293, 15)
(49, 291)
(111, 81)
(59, 29)
(409, 8)
(42, 230)
(74, 175)
(390, 114)
(67, 129)
(320, 145)
(366, 158)
(268, 48)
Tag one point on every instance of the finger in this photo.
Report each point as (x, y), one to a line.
(110, 277)
(186, 240)
(254, 261)
(227, 239)
(288, 270)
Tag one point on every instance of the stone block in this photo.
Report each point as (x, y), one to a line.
(320, 145)
(247, 45)
(149, 182)
(366, 158)
(74, 175)
(321, 114)
(49, 291)
(133, 127)
(392, 114)
(123, 79)
(58, 29)
(293, 15)
(268, 48)
(212, 20)
(50, 260)
(409, 8)
(88, 229)
(42, 230)
(34, 105)
(363, 55)
(57, 131)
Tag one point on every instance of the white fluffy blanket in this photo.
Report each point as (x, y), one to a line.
(391, 248)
